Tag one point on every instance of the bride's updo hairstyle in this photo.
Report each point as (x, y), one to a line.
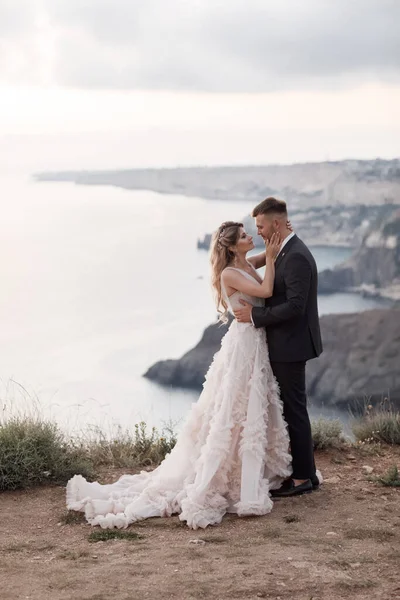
(226, 237)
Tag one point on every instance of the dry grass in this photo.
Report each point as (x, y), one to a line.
(391, 478)
(327, 433)
(72, 517)
(142, 448)
(291, 519)
(34, 451)
(381, 424)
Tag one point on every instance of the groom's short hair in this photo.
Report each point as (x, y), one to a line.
(270, 206)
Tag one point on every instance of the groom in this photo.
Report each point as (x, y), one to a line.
(290, 317)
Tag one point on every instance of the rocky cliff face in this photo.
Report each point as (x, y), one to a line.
(375, 267)
(189, 371)
(361, 359)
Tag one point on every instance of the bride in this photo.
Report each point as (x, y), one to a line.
(233, 447)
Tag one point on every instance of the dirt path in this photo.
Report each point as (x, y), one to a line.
(340, 542)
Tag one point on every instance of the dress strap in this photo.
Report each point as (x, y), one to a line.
(236, 269)
(244, 273)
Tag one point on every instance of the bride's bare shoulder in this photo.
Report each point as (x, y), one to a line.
(228, 273)
(224, 274)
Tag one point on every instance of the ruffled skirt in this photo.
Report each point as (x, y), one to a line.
(231, 451)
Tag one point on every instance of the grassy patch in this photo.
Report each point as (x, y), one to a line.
(390, 479)
(139, 448)
(72, 517)
(34, 452)
(104, 535)
(378, 425)
(327, 433)
(370, 449)
(291, 518)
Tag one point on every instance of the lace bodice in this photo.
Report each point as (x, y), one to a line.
(233, 300)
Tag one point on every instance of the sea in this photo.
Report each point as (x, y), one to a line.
(98, 283)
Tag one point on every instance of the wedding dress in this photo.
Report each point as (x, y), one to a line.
(231, 451)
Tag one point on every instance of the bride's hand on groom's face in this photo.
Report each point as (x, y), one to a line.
(243, 315)
(272, 246)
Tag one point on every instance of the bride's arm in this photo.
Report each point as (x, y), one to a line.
(257, 260)
(239, 282)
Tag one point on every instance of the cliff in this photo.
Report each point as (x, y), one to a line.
(374, 268)
(360, 359)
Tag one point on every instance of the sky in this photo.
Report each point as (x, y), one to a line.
(108, 83)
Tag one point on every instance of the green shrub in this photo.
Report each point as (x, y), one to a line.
(33, 452)
(378, 425)
(327, 433)
(391, 478)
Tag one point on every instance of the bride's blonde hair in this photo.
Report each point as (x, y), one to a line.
(226, 236)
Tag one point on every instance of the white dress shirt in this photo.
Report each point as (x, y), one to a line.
(285, 241)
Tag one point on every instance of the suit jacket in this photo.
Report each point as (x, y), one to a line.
(291, 314)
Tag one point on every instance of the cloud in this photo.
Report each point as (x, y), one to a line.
(204, 45)
(16, 17)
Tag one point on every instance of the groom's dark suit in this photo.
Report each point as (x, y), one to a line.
(291, 320)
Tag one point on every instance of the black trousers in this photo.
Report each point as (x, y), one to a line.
(291, 378)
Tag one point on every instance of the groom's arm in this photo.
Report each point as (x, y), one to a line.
(297, 277)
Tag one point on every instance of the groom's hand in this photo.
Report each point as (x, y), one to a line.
(243, 315)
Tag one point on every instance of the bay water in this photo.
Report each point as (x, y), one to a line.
(98, 283)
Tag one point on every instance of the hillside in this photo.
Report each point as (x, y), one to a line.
(348, 182)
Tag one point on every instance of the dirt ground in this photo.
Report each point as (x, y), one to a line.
(342, 541)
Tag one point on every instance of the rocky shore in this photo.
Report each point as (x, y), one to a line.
(374, 268)
(360, 360)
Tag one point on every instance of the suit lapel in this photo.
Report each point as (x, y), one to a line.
(285, 251)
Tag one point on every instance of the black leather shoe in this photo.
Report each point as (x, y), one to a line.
(315, 482)
(288, 489)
